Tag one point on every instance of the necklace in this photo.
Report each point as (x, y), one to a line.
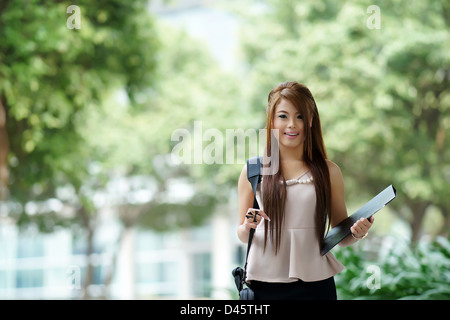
(298, 180)
(301, 181)
(295, 181)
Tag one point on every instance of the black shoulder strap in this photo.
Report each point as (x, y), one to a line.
(254, 176)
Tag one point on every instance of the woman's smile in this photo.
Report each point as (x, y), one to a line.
(291, 135)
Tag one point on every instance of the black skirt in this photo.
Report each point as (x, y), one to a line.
(298, 290)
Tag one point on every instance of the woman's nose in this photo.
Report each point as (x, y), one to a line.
(291, 123)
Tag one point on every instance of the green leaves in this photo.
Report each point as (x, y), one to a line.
(382, 93)
(420, 273)
(106, 96)
(50, 73)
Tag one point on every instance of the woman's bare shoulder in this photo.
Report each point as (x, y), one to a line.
(243, 181)
(333, 168)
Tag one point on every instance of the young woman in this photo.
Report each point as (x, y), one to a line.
(297, 204)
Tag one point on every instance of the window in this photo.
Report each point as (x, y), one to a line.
(202, 274)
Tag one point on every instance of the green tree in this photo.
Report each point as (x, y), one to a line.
(50, 76)
(136, 146)
(49, 73)
(383, 94)
(102, 111)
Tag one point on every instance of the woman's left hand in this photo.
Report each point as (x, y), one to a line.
(361, 227)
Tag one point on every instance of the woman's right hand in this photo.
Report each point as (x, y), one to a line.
(253, 217)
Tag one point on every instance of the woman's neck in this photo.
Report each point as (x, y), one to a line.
(291, 154)
(292, 163)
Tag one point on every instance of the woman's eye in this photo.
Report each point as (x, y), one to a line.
(282, 116)
(299, 117)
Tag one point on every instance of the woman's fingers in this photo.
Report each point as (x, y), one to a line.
(251, 225)
(362, 226)
(264, 215)
(251, 212)
(254, 216)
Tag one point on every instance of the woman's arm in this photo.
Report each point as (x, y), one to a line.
(339, 209)
(245, 194)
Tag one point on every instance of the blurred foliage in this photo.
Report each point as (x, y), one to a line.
(50, 75)
(418, 273)
(86, 107)
(90, 112)
(171, 216)
(383, 94)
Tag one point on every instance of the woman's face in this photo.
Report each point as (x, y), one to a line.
(290, 125)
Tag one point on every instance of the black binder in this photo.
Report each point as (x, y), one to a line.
(342, 230)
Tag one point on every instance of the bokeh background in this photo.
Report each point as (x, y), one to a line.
(92, 205)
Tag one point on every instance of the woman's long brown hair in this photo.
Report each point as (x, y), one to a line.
(314, 155)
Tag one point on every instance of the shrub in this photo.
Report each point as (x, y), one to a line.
(399, 271)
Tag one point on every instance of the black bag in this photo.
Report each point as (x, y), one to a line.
(239, 278)
(239, 274)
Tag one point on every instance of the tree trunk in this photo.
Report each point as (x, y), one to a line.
(445, 229)
(129, 215)
(4, 150)
(89, 251)
(418, 209)
(112, 268)
(89, 268)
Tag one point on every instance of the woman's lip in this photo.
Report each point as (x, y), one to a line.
(293, 135)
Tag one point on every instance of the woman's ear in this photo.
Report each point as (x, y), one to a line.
(310, 122)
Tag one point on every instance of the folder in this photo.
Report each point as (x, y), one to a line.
(342, 230)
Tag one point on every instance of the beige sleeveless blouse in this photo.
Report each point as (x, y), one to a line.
(299, 254)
